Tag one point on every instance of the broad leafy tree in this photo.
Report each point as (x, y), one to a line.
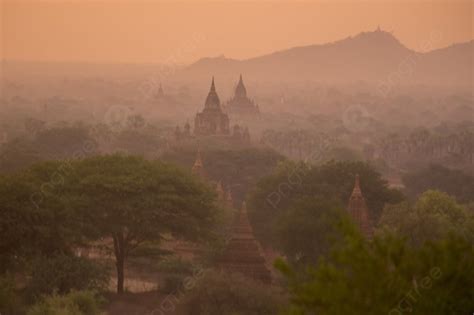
(276, 195)
(125, 201)
(132, 201)
(35, 218)
(434, 215)
(386, 276)
(305, 230)
(238, 170)
(453, 182)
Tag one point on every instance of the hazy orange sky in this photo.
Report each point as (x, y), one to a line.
(183, 31)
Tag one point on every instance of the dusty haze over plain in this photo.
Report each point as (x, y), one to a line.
(152, 31)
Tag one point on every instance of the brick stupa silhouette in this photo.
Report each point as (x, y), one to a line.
(243, 253)
(358, 210)
(241, 104)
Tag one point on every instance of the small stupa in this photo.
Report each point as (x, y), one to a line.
(358, 210)
(198, 167)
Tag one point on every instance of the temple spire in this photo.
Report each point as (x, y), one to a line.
(213, 86)
(212, 100)
(358, 210)
(240, 90)
(160, 92)
(356, 189)
(198, 167)
(229, 199)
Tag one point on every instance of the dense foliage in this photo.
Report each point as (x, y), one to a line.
(63, 273)
(237, 170)
(217, 293)
(281, 200)
(386, 276)
(454, 182)
(132, 201)
(433, 217)
(74, 303)
(42, 144)
(125, 201)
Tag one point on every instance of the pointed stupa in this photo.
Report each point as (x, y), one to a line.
(220, 191)
(358, 210)
(160, 93)
(212, 100)
(240, 103)
(198, 167)
(187, 129)
(243, 253)
(240, 90)
(229, 199)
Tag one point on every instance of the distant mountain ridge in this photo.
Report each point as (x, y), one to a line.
(376, 56)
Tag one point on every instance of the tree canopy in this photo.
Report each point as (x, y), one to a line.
(238, 170)
(386, 276)
(126, 201)
(432, 217)
(286, 194)
(454, 182)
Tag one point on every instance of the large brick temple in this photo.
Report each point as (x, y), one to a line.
(241, 104)
(212, 120)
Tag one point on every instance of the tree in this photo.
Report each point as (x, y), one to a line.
(16, 155)
(46, 144)
(386, 276)
(73, 303)
(35, 218)
(133, 201)
(432, 217)
(65, 142)
(275, 194)
(308, 219)
(64, 273)
(216, 293)
(453, 182)
(238, 170)
(51, 207)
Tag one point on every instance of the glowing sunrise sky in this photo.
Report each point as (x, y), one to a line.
(184, 31)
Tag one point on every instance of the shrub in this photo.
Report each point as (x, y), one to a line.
(63, 273)
(176, 270)
(172, 283)
(10, 302)
(74, 303)
(175, 265)
(218, 293)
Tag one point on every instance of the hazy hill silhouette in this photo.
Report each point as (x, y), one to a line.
(370, 56)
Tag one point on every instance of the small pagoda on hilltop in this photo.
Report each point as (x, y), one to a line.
(243, 253)
(358, 210)
(241, 104)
